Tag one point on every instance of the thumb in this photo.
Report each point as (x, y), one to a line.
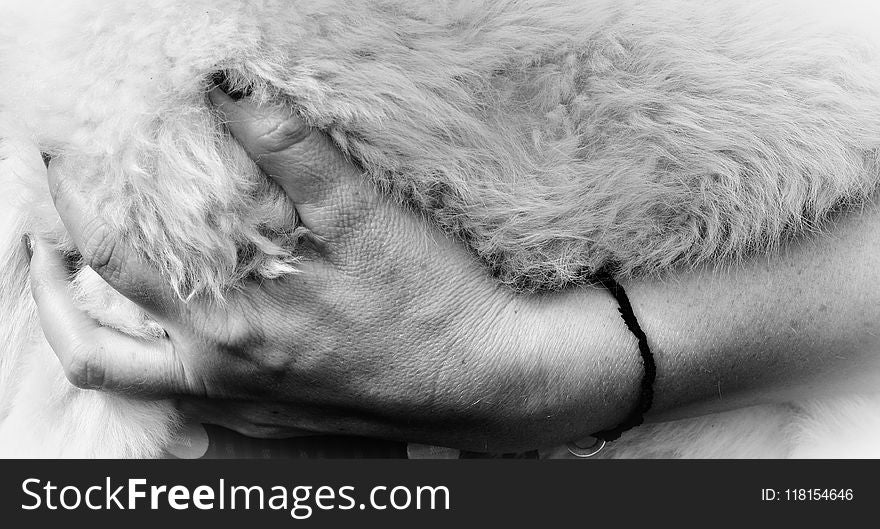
(327, 190)
(94, 356)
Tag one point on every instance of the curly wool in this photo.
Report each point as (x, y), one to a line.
(554, 138)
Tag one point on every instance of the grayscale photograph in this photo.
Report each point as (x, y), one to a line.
(413, 229)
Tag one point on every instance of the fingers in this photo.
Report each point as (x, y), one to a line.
(96, 357)
(328, 191)
(62, 322)
(105, 253)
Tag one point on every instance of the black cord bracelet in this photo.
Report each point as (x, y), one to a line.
(646, 397)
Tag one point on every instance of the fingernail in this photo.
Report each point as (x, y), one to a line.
(28, 244)
(218, 97)
(46, 158)
(221, 82)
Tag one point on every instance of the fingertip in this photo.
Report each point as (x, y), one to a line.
(219, 98)
(52, 177)
(63, 323)
(27, 244)
(46, 262)
(48, 278)
(232, 110)
(63, 186)
(234, 114)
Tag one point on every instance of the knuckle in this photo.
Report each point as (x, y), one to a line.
(101, 251)
(235, 337)
(282, 134)
(238, 335)
(276, 363)
(84, 367)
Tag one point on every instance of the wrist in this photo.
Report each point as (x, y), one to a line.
(565, 367)
(600, 369)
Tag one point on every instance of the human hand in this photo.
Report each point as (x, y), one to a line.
(391, 329)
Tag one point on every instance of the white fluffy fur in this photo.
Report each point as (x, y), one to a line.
(554, 138)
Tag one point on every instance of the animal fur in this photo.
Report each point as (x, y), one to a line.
(554, 138)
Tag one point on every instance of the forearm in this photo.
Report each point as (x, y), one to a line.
(551, 368)
(789, 326)
(767, 330)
